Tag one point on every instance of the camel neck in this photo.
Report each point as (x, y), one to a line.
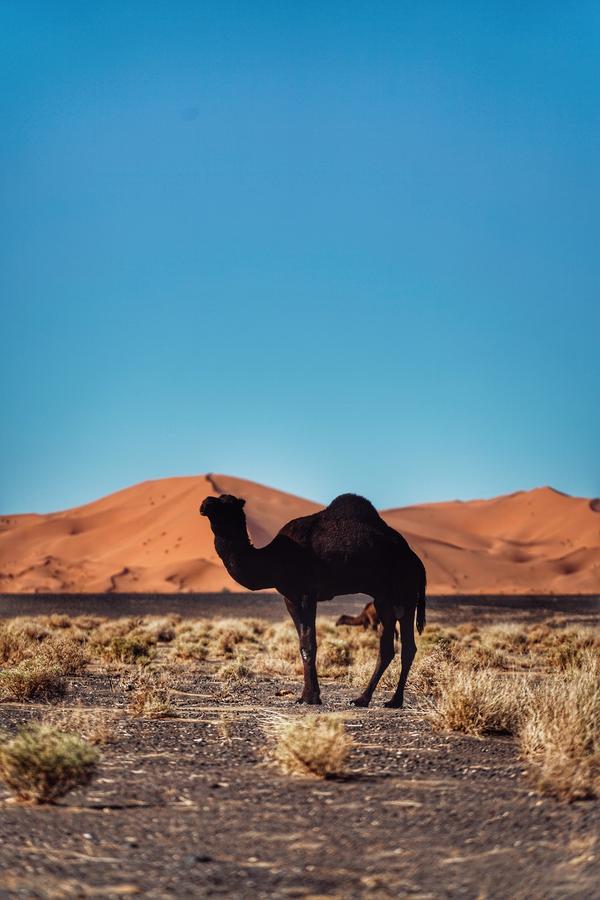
(246, 565)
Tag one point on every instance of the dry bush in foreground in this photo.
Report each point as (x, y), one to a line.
(312, 745)
(42, 763)
(31, 680)
(476, 701)
(560, 732)
(94, 725)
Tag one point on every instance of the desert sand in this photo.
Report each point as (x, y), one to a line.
(150, 538)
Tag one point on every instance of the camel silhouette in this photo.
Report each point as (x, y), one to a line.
(345, 548)
(368, 618)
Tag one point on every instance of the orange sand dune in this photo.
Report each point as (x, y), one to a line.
(149, 537)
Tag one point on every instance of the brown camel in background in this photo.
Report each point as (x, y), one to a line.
(368, 618)
(345, 548)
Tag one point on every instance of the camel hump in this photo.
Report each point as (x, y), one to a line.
(351, 506)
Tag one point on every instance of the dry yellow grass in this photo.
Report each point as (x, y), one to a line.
(225, 727)
(476, 701)
(65, 653)
(560, 731)
(151, 695)
(539, 647)
(127, 649)
(14, 645)
(23, 640)
(312, 745)
(31, 680)
(188, 648)
(235, 671)
(41, 763)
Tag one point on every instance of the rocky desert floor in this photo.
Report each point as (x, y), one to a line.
(193, 804)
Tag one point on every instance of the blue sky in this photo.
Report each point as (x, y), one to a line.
(324, 246)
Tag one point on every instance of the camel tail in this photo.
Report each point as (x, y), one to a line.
(421, 618)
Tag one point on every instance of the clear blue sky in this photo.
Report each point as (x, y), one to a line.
(326, 246)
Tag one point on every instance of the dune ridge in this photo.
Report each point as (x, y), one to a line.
(150, 538)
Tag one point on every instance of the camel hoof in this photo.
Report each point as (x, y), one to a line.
(310, 701)
(360, 701)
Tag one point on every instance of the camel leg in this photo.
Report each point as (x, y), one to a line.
(304, 613)
(386, 655)
(409, 649)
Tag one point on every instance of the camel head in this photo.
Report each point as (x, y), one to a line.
(225, 514)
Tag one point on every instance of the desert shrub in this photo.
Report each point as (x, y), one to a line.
(88, 623)
(560, 731)
(312, 745)
(128, 649)
(162, 630)
(33, 628)
(150, 695)
(334, 657)
(229, 634)
(41, 763)
(65, 653)
(61, 650)
(103, 634)
(186, 647)
(57, 620)
(481, 656)
(280, 654)
(428, 669)
(360, 672)
(31, 680)
(476, 701)
(97, 726)
(565, 648)
(235, 671)
(15, 646)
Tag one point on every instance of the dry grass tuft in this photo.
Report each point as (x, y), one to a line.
(65, 653)
(23, 641)
(476, 701)
(42, 763)
(225, 726)
(334, 657)
(235, 671)
(187, 647)
(151, 695)
(312, 745)
(31, 680)
(560, 732)
(14, 645)
(427, 671)
(130, 649)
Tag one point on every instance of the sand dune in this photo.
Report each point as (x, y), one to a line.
(149, 537)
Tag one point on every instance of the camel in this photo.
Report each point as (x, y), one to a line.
(345, 548)
(368, 618)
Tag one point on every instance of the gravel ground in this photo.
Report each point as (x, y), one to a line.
(191, 806)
